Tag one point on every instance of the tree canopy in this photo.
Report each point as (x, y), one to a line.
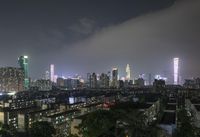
(97, 123)
(42, 129)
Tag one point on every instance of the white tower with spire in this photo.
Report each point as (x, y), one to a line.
(52, 72)
(128, 72)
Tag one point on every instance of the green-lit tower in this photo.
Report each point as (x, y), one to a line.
(23, 62)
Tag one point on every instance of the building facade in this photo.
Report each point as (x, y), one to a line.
(104, 81)
(23, 63)
(114, 77)
(94, 80)
(11, 79)
(128, 72)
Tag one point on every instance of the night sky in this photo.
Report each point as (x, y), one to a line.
(81, 36)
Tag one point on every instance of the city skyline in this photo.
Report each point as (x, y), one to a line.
(126, 73)
(86, 42)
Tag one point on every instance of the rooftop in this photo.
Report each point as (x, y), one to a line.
(195, 101)
(171, 107)
(197, 107)
(131, 105)
(168, 118)
(63, 113)
(91, 105)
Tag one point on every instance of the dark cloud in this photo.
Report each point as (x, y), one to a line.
(84, 26)
(148, 43)
(86, 36)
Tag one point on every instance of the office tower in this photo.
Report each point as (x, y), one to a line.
(11, 79)
(52, 72)
(60, 82)
(115, 77)
(121, 84)
(159, 85)
(176, 71)
(68, 83)
(128, 72)
(150, 79)
(47, 75)
(89, 81)
(75, 82)
(94, 80)
(139, 82)
(23, 63)
(43, 85)
(104, 81)
(109, 76)
(193, 83)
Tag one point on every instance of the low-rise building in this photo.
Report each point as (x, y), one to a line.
(193, 106)
(62, 121)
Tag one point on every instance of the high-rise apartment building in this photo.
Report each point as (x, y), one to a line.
(11, 79)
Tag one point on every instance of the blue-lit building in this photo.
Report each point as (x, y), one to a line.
(23, 63)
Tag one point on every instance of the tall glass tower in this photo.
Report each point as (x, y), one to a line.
(128, 72)
(176, 71)
(23, 63)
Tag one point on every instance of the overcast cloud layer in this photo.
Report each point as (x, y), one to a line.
(148, 43)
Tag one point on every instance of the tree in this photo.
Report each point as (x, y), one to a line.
(122, 120)
(185, 128)
(133, 121)
(97, 123)
(7, 130)
(42, 129)
(70, 135)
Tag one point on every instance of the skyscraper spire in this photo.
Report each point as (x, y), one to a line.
(128, 72)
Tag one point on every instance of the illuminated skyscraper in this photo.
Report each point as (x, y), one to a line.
(23, 63)
(52, 72)
(128, 72)
(115, 77)
(176, 71)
